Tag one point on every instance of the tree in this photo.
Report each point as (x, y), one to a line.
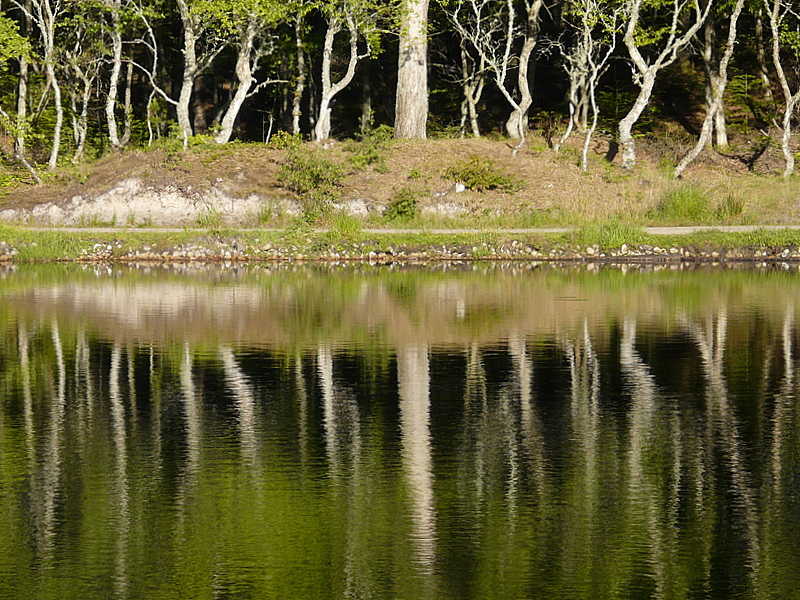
(782, 21)
(493, 30)
(596, 27)
(250, 23)
(711, 122)
(684, 18)
(115, 29)
(14, 46)
(359, 19)
(202, 41)
(411, 107)
(46, 15)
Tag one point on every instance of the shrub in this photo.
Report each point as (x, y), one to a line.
(283, 140)
(403, 206)
(479, 174)
(311, 172)
(368, 151)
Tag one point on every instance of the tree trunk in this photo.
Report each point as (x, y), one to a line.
(411, 109)
(517, 124)
(322, 131)
(626, 124)
(761, 57)
(790, 99)
(80, 119)
(244, 76)
(116, 68)
(22, 117)
(473, 82)
(366, 101)
(53, 82)
(715, 106)
(300, 85)
(126, 134)
(712, 68)
(189, 72)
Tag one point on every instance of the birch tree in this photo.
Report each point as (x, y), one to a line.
(683, 20)
(495, 29)
(785, 30)
(711, 122)
(202, 42)
(714, 77)
(596, 26)
(14, 46)
(358, 20)
(115, 31)
(46, 15)
(251, 24)
(83, 55)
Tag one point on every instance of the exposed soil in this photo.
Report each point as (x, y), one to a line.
(238, 184)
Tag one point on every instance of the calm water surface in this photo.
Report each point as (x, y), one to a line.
(465, 432)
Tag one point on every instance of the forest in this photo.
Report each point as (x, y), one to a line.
(81, 78)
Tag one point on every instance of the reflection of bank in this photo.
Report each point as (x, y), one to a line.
(413, 379)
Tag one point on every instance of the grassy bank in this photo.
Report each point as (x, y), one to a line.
(608, 241)
(455, 183)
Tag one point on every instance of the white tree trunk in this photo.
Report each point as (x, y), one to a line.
(22, 117)
(116, 69)
(473, 79)
(517, 124)
(720, 82)
(790, 99)
(300, 85)
(126, 133)
(411, 109)
(646, 72)
(322, 130)
(628, 121)
(244, 75)
(80, 118)
(53, 82)
(189, 72)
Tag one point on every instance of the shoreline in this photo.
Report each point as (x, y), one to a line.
(597, 244)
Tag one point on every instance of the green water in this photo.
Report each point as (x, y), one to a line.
(468, 431)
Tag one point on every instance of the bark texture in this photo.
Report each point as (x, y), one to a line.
(411, 109)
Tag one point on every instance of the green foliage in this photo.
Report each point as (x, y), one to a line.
(314, 176)
(686, 204)
(202, 140)
(732, 207)
(403, 206)
(12, 44)
(346, 227)
(610, 234)
(369, 150)
(479, 174)
(283, 140)
(748, 91)
(210, 219)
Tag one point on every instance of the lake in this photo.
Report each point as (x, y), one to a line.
(459, 431)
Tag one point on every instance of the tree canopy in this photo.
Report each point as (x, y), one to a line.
(84, 77)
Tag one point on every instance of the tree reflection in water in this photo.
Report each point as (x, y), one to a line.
(405, 434)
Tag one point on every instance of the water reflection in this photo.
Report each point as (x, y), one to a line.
(400, 433)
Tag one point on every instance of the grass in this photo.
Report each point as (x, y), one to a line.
(346, 235)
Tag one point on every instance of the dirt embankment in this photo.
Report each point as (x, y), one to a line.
(238, 185)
